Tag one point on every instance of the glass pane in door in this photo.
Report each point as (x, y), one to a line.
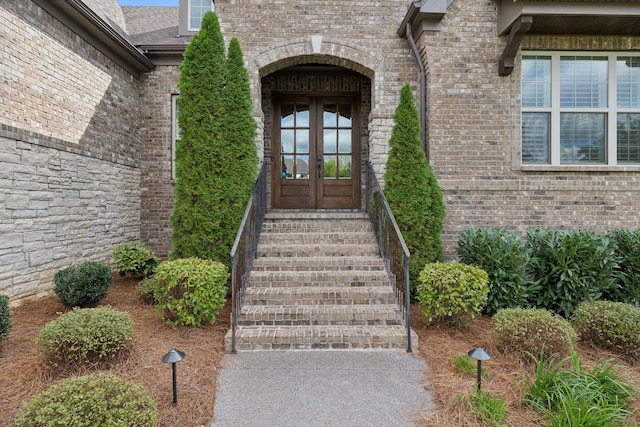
(337, 143)
(294, 141)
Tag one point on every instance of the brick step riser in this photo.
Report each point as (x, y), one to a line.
(319, 264)
(328, 251)
(312, 239)
(302, 321)
(311, 338)
(316, 228)
(315, 216)
(275, 301)
(312, 284)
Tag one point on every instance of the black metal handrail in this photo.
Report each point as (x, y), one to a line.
(244, 248)
(393, 248)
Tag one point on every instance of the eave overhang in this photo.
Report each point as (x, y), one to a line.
(423, 15)
(563, 17)
(88, 25)
(167, 54)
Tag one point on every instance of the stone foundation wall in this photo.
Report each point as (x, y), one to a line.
(69, 151)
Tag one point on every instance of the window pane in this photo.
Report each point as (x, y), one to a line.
(629, 138)
(330, 116)
(344, 163)
(302, 141)
(286, 140)
(302, 116)
(330, 167)
(583, 82)
(535, 138)
(197, 11)
(536, 81)
(582, 138)
(286, 163)
(344, 141)
(330, 140)
(628, 71)
(286, 116)
(302, 167)
(344, 119)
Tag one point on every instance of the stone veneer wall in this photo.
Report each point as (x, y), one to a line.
(474, 137)
(69, 147)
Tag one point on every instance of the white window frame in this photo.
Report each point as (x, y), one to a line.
(555, 110)
(189, 14)
(175, 133)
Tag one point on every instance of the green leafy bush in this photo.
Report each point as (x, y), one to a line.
(451, 293)
(89, 401)
(569, 395)
(627, 248)
(503, 255)
(134, 258)
(146, 290)
(568, 267)
(190, 290)
(82, 285)
(5, 317)
(614, 326)
(532, 333)
(87, 335)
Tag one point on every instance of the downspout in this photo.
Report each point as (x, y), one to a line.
(423, 91)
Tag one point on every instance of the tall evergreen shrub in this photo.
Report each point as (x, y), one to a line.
(412, 190)
(215, 156)
(627, 248)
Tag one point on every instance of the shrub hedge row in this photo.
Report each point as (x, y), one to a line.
(552, 269)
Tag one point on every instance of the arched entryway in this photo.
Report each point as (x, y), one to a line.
(316, 136)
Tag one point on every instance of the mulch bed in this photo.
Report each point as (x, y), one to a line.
(24, 373)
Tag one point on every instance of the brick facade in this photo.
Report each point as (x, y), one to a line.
(85, 144)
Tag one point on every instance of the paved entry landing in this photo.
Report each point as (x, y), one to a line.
(321, 388)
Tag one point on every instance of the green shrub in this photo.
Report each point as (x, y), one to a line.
(82, 285)
(88, 401)
(412, 189)
(627, 248)
(190, 290)
(503, 255)
(568, 267)
(532, 333)
(614, 326)
(146, 290)
(451, 293)
(134, 258)
(5, 317)
(87, 335)
(568, 395)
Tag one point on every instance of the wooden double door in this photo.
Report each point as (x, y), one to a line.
(316, 146)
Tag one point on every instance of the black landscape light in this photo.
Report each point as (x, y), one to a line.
(479, 354)
(173, 357)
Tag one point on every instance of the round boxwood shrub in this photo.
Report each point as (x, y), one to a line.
(613, 326)
(532, 333)
(87, 335)
(134, 258)
(82, 285)
(190, 291)
(88, 401)
(5, 318)
(452, 293)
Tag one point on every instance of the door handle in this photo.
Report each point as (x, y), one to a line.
(319, 170)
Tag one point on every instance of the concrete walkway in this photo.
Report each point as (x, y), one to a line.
(321, 388)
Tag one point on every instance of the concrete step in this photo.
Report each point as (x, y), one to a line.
(314, 215)
(321, 263)
(320, 296)
(320, 315)
(320, 337)
(319, 279)
(317, 250)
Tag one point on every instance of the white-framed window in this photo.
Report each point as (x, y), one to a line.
(580, 108)
(197, 9)
(175, 134)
